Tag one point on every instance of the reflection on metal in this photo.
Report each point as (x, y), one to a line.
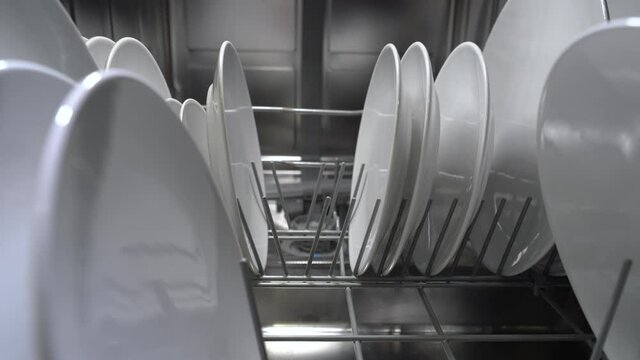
(301, 111)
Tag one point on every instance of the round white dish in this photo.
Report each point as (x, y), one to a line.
(23, 131)
(233, 147)
(526, 39)
(419, 106)
(136, 257)
(465, 147)
(42, 32)
(590, 169)
(384, 158)
(194, 119)
(131, 55)
(100, 48)
(175, 106)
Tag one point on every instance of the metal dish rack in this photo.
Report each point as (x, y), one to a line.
(296, 297)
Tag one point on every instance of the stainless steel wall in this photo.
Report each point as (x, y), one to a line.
(304, 53)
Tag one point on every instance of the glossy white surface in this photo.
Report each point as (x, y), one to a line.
(194, 119)
(41, 31)
(233, 146)
(131, 55)
(526, 39)
(175, 106)
(623, 8)
(466, 141)
(419, 106)
(23, 130)
(590, 170)
(137, 259)
(381, 154)
(100, 48)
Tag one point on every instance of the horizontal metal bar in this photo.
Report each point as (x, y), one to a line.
(304, 111)
(306, 164)
(306, 238)
(436, 337)
(306, 232)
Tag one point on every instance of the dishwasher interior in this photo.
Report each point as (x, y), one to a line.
(319, 54)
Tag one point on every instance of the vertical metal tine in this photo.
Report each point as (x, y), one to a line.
(605, 10)
(315, 195)
(436, 248)
(353, 323)
(416, 236)
(274, 232)
(314, 246)
(252, 244)
(611, 311)
(467, 233)
(334, 194)
(552, 258)
(355, 192)
(284, 207)
(514, 235)
(343, 232)
(487, 239)
(392, 236)
(255, 175)
(365, 241)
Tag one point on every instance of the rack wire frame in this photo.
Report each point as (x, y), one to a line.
(539, 284)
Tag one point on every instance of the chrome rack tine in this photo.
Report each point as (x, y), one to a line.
(611, 311)
(360, 172)
(416, 236)
(274, 232)
(334, 196)
(352, 204)
(487, 238)
(366, 236)
(465, 239)
(392, 236)
(443, 231)
(314, 246)
(605, 10)
(252, 244)
(257, 178)
(436, 323)
(514, 235)
(284, 207)
(315, 195)
(552, 258)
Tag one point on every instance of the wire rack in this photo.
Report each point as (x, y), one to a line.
(331, 273)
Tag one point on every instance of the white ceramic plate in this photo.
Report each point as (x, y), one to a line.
(383, 156)
(194, 119)
(233, 146)
(175, 106)
(41, 31)
(131, 55)
(526, 39)
(463, 154)
(590, 170)
(100, 48)
(23, 130)
(137, 259)
(419, 106)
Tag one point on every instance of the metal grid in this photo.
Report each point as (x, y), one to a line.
(321, 274)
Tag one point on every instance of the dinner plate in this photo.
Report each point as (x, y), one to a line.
(175, 106)
(419, 106)
(194, 119)
(41, 31)
(100, 48)
(233, 147)
(23, 130)
(526, 39)
(383, 148)
(589, 164)
(130, 54)
(137, 259)
(465, 146)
